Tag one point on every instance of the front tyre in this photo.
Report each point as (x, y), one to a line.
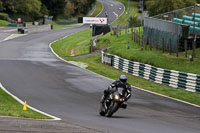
(113, 109)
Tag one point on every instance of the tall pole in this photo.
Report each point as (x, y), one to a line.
(194, 35)
(128, 24)
(141, 39)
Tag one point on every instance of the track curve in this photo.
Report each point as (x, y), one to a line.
(30, 71)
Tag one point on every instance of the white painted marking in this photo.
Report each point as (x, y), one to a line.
(115, 14)
(120, 14)
(12, 36)
(20, 101)
(133, 74)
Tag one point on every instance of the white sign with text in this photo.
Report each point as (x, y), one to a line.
(94, 20)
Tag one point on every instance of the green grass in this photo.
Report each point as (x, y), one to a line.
(79, 40)
(3, 23)
(57, 26)
(79, 43)
(10, 107)
(155, 58)
(98, 9)
(119, 47)
(123, 20)
(95, 65)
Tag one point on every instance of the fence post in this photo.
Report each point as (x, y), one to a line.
(126, 29)
(177, 48)
(146, 41)
(139, 37)
(151, 39)
(170, 46)
(134, 35)
(142, 42)
(163, 45)
(131, 33)
(120, 30)
(185, 43)
(117, 30)
(156, 44)
(193, 48)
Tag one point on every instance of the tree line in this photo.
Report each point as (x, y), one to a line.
(161, 6)
(38, 8)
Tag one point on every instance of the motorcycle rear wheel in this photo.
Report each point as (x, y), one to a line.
(102, 110)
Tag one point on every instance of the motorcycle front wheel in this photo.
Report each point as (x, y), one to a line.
(112, 109)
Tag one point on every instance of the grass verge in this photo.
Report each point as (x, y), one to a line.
(3, 23)
(10, 107)
(155, 57)
(95, 65)
(98, 9)
(76, 44)
(78, 41)
(119, 47)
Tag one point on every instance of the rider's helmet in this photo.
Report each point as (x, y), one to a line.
(123, 78)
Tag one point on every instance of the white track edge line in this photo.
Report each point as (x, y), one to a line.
(113, 80)
(102, 8)
(21, 102)
(131, 85)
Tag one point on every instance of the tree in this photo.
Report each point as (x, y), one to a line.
(33, 8)
(55, 7)
(44, 10)
(69, 9)
(189, 2)
(9, 6)
(161, 6)
(1, 5)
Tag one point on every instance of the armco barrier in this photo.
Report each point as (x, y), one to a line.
(176, 79)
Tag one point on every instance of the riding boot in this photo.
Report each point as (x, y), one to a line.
(103, 99)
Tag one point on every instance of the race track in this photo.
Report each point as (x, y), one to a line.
(29, 70)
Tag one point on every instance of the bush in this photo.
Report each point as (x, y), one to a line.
(3, 16)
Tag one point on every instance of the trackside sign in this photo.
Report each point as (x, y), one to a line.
(94, 20)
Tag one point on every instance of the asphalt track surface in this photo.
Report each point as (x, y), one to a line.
(29, 70)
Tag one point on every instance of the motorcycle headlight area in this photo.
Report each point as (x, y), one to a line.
(116, 97)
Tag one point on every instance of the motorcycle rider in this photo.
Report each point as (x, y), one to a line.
(122, 82)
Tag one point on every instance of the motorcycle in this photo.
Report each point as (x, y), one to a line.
(112, 103)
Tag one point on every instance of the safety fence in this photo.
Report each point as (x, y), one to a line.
(176, 79)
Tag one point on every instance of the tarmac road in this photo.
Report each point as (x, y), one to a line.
(30, 71)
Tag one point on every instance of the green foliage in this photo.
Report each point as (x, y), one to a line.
(3, 23)
(32, 8)
(119, 43)
(38, 8)
(3, 16)
(44, 10)
(55, 7)
(1, 5)
(134, 21)
(161, 6)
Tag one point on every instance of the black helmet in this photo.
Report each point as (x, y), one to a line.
(123, 78)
